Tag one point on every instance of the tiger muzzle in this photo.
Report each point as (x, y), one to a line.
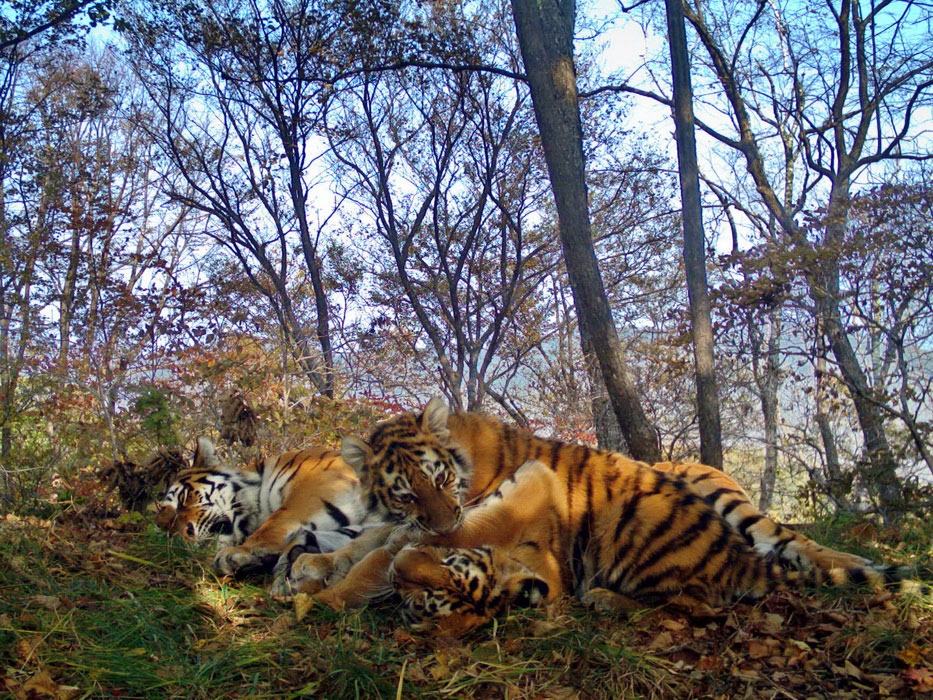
(173, 523)
(439, 512)
(166, 518)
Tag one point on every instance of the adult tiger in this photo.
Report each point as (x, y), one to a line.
(419, 469)
(652, 541)
(304, 500)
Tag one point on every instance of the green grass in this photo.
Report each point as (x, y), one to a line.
(909, 543)
(116, 610)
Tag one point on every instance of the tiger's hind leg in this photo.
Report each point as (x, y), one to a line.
(604, 600)
(609, 601)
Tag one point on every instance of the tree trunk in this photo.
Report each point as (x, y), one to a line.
(694, 241)
(834, 483)
(769, 385)
(545, 37)
(608, 433)
(313, 264)
(880, 477)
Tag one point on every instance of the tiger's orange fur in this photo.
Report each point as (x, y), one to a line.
(421, 470)
(256, 511)
(653, 540)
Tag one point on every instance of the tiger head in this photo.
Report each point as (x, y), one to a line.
(455, 590)
(201, 502)
(412, 472)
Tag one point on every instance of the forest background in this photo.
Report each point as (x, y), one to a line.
(341, 209)
(334, 210)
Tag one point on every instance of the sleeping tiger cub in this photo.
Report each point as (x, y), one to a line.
(420, 470)
(306, 500)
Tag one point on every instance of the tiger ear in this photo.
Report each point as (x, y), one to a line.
(205, 455)
(355, 452)
(434, 418)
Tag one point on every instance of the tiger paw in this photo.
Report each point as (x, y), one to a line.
(609, 601)
(308, 573)
(232, 560)
(331, 599)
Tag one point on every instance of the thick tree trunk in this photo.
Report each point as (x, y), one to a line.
(545, 37)
(694, 241)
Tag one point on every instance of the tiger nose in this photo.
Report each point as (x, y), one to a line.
(442, 528)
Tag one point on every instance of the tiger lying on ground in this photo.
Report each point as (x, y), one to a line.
(418, 471)
(653, 541)
(305, 500)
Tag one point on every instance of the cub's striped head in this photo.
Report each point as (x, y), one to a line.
(411, 472)
(456, 590)
(200, 503)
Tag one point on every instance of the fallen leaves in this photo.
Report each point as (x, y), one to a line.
(663, 640)
(808, 646)
(302, 603)
(40, 685)
(920, 679)
(914, 654)
(49, 602)
(26, 648)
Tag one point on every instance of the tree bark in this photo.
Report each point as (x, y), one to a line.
(545, 37)
(694, 241)
(769, 379)
(608, 433)
(836, 484)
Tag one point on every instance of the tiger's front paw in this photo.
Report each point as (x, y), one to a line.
(309, 573)
(232, 560)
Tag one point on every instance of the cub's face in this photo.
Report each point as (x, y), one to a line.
(456, 590)
(200, 502)
(411, 473)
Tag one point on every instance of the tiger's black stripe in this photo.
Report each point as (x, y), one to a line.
(338, 515)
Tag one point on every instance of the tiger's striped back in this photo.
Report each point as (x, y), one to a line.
(473, 454)
(653, 541)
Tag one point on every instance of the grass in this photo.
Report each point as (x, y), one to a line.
(112, 609)
(910, 542)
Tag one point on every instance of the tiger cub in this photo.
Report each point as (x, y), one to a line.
(652, 541)
(305, 500)
(419, 471)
